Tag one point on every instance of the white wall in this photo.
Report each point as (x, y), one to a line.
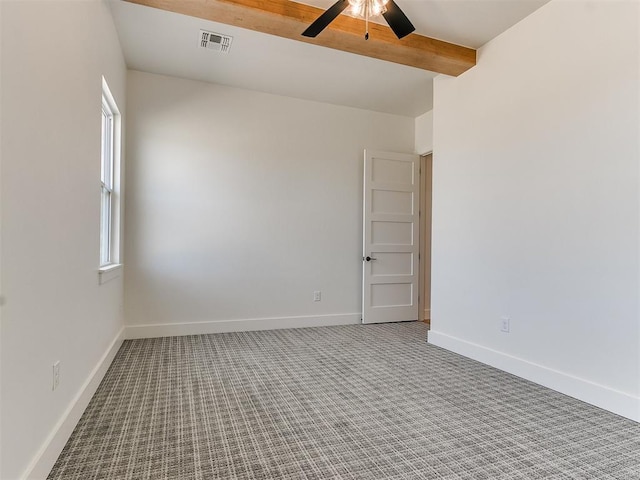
(241, 204)
(424, 133)
(1, 297)
(53, 57)
(536, 203)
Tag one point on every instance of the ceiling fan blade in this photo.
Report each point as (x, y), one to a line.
(326, 18)
(397, 20)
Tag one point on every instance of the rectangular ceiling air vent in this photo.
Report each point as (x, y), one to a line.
(215, 41)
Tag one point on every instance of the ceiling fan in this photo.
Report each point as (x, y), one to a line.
(389, 9)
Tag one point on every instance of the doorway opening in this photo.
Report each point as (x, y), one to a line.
(426, 185)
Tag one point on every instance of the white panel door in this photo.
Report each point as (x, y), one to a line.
(391, 229)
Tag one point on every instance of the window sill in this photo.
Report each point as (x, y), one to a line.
(109, 272)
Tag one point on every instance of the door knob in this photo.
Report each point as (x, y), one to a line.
(369, 259)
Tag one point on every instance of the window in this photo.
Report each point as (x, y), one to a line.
(109, 210)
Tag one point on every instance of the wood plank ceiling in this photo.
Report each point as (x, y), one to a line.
(288, 19)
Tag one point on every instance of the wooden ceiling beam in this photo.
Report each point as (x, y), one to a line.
(289, 19)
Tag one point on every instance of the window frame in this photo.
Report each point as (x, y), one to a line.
(106, 185)
(109, 251)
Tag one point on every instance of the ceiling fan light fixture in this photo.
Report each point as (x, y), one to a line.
(368, 8)
(389, 9)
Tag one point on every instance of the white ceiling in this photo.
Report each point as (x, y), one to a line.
(161, 42)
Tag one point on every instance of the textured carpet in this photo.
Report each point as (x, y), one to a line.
(350, 402)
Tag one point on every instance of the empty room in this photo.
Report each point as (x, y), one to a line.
(353, 239)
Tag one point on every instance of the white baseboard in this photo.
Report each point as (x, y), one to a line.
(243, 325)
(46, 457)
(614, 401)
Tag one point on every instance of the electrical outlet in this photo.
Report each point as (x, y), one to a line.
(56, 375)
(317, 296)
(504, 324)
